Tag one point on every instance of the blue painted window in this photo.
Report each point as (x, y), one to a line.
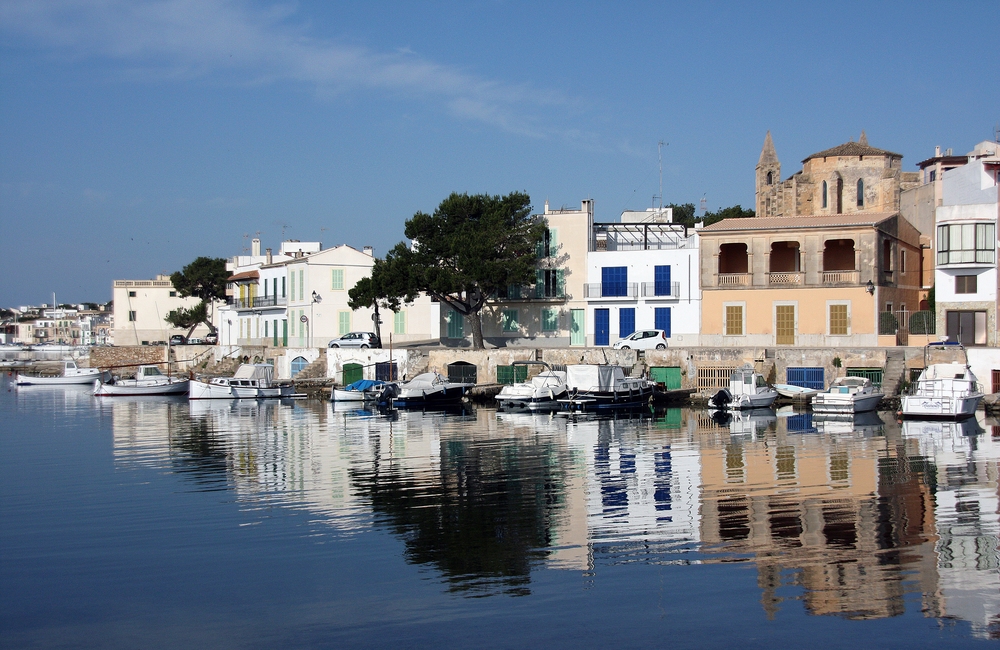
(298, 364)
(661, 320)
(626, 322)
(805, 377)
(661, 281)
(602, 326)
(614, 281)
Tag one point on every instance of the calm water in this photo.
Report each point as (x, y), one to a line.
(144, 523)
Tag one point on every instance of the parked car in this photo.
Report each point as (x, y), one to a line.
(178, 339)
(356, 340)
(643, 340)
(211, 339)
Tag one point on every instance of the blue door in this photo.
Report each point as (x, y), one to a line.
(661, 320)
(661, 282)
(805, 377)
(614, 281)
(602, 326)
(626, 321)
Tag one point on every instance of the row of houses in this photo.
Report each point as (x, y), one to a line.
(62, 326)
(843, 253)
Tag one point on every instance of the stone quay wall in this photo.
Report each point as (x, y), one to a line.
(181, 357)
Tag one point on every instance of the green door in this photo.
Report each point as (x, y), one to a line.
(669, 377)
(353, 372)
(577, 332)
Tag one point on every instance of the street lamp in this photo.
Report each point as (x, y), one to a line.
(315, 299)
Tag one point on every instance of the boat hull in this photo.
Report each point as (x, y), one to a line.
(794, 392)
(341, 395)
(421, 399)
(172, 387)
(74, 380)
(851, 403)
(209, 390)
(587, 401)
(920, 407)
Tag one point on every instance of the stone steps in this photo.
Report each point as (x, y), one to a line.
(895, 367)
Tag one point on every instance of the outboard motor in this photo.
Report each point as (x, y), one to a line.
(721, 399)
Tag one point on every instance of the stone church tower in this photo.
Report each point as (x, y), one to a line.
(850, 178)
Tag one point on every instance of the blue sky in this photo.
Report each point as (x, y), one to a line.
(136, 136)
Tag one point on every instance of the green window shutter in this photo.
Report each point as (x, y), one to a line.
(455, 329)
(399, 323)
(284, 332)
(540, 248)
(550, 320)
(560, 283)
(539, 283)
(291, 281)
(344, 322)
(553, 243)
(302, 285)
(337, 281)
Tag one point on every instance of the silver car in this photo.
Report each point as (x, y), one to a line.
(356, 340)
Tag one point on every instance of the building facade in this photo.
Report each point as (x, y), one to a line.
(140, 307)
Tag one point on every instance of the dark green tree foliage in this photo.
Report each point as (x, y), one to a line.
(204, 278)
(188, 318)
(464, 253)
(734, 212)
(683, 214)
(386, 288)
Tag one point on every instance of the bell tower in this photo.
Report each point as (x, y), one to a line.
(768, 179)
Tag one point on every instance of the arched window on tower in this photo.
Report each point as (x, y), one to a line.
(861, 193)
(770, 178)
(825, 203)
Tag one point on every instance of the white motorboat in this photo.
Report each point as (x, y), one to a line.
(70, 373)
(745, 422)
(848, 395)
(364, 390)
(540, 393)
(430, 389)
(795, 392)
(747, 390)
(591, 386)
(251, 381)
(148, 381)
(943, 390)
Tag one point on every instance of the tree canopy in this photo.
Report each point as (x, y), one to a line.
(204, 278)
(469, 249)
(684, 214)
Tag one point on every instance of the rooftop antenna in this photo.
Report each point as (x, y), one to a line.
(659, 155)
(246, 249)
(704, 204)
(996, 133)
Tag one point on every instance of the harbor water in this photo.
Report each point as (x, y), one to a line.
(159, 523)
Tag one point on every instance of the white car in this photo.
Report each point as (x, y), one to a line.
(356, 340)
(643, 340)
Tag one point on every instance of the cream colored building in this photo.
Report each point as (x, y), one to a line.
(140, 307)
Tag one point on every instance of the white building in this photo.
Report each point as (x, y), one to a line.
(642, 273)
(966, 249)
(140, 307)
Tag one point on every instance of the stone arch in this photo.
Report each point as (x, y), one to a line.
(770, 178)
(298, 364)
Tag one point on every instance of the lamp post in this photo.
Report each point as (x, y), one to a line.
(315, 299)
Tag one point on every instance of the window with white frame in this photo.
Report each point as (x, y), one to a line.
(966, 242)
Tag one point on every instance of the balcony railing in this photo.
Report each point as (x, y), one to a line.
(529, 293)
(784, 277)
(257, 302)
(734, 279)
(841, 277)
(661, 289)
(611, 290)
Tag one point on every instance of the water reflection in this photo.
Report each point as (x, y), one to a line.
(845, 517)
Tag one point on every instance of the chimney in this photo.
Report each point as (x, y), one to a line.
(255, 247)
(937, 152)
(546, 206)
(369, 251)
(269, 259)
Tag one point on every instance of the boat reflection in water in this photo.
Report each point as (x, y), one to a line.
(850, 516)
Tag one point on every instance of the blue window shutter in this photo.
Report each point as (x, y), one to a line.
(602, 326)
(662, 320)
(626, 322)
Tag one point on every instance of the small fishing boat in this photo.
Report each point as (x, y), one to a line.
(943, 390)
(251, 381)
(364, 390)
(430, 389)
(592, 386)
(70, 373)
(747, 390)
(540, 393)
(848, 395)
(148, 381)
(794, 392)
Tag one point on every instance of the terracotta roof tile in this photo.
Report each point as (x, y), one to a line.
(853, 149)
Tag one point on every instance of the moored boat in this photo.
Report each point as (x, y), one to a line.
(943, 390)
(747, 390)
(148, 381)
(70, 373)
(848, 395)
(430, 389)
(364, 390)
(795, 392)
(540, 393)
(592, 386)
